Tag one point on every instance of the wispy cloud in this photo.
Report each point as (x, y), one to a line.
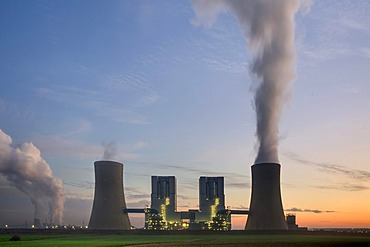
(316, 211)
(355, 178)
(241, 207)
(182, 197)
(133, 193)
(315, 55)
(99, 103)
(238, 185)
(83, 190)
(133, 83)
(137, 204)
(351, 89)
(66, 147)
(226, 65)
(115, 96)
(80, 184)
(220, 48)
(187, 168)
(365, 52)
(358, 175)
(337, 22)
(343, 186)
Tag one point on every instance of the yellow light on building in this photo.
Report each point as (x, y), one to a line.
(163, 211)
(214, 207)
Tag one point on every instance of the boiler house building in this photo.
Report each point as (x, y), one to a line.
(163, 214)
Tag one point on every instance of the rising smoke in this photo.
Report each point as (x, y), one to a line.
(25, 169)
(110, 150)
(268, 27)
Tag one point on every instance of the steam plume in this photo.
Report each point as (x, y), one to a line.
(268, 26)
(110, 150)
(25, 169)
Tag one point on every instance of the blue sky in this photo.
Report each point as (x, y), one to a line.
(176, 99)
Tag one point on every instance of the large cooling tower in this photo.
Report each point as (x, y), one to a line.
(266, 209)
(109, 198)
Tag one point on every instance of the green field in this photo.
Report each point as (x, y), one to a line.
(184, 240)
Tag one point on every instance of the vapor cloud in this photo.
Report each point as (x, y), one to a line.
(268, 27)
(26, 170)
(110, 150)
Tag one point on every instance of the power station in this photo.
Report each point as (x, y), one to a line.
(109, 207)
(163, 214)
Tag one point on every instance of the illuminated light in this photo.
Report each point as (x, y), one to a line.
(163, 211)
(33, 226)
(214, 207)
(167, 201)
(6, 226)
(217, 201)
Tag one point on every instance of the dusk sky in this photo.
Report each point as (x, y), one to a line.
(169, 95)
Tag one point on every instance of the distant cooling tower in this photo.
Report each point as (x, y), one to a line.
(109, 198)
(266, 209)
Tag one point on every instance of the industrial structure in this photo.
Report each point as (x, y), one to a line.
(266, 208)
(265, 213)
(109, 197)
(211, 215)
(164, 199)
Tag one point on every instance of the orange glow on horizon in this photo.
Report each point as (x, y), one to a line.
(339, 220)
(319, 220)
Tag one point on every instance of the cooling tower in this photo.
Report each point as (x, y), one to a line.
(266, 209)
(109, 198)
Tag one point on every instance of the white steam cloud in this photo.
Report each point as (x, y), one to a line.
(268, 27)
(25, 169)
(110, 150)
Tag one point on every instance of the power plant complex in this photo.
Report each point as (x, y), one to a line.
(265, 212)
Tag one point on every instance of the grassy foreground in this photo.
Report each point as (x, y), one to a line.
(184, 240)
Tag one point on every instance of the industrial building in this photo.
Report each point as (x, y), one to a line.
(164, 199)
(265, 213)
(163, 214)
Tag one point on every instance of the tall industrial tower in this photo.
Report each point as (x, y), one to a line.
(109, 197)
(266, 208)
(164, 198)
(211, 197)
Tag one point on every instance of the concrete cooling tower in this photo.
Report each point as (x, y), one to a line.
(109, 198)
(266, 209)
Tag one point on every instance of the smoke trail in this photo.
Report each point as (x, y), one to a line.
(110, 150)
(25, 169)
(268, 26)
